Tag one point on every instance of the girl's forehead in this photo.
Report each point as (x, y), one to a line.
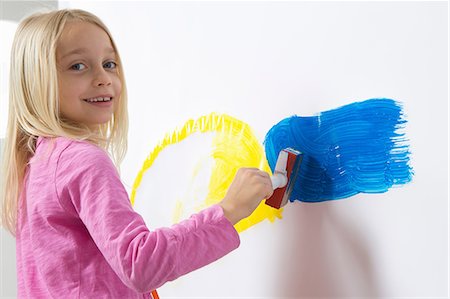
(80, 34)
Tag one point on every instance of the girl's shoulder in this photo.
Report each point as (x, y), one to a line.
(65, 143)
(65, 149)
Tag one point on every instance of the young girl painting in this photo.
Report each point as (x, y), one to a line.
(77, 235)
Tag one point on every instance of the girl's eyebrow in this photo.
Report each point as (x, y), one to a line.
(108, 50)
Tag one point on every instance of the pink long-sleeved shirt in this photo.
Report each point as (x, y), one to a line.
(78, 236)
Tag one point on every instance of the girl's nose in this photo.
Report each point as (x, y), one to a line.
(102, 78)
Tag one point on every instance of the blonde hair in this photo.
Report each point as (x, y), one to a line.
(34, 108)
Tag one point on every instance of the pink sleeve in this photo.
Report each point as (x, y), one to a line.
(143, 259)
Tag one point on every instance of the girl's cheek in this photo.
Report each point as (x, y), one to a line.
(118, 85)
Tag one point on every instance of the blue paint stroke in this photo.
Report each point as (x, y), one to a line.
(355, 148)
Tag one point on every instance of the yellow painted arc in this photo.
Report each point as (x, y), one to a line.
(234, 146)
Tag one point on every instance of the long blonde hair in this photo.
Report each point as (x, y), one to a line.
(33, 103)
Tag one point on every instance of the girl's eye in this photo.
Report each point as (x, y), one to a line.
(110, 65)
(78, 67)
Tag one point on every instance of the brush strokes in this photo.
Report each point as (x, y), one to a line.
(357, 148)
(234, 146)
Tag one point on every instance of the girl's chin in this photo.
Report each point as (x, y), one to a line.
(94, 125)
(98, 124)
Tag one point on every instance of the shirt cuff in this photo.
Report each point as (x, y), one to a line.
(217, 213)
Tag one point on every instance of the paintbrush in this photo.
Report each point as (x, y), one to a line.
(284, 175)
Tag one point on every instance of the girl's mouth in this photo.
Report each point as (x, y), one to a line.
(100, 101)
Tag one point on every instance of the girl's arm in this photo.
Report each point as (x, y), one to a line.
(249, 187)
(89, 186)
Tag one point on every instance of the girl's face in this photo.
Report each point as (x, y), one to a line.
(89, 84)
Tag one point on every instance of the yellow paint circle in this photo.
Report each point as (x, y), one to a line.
(234, 146)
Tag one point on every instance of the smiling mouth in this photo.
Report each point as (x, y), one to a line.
(98, 100)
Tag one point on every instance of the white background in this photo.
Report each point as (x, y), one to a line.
(263, 61)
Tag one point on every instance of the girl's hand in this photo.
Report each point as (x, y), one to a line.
(249, 187)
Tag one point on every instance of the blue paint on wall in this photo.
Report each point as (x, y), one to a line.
(355, 148)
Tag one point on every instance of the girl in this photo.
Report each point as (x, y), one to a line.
(77, 235)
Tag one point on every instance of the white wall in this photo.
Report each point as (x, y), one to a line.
(263, 61)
